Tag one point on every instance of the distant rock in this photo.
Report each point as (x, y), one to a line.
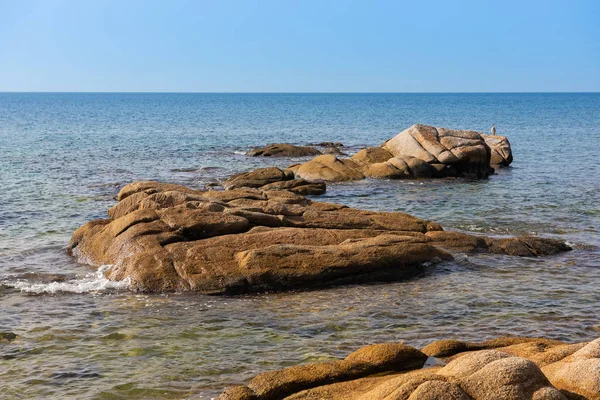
(503, 368)
(326, 144)
(283, 150)
(501, 152)
(420, 151)
(165, 237)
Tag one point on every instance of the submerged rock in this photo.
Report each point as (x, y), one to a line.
(283, 150)
(7, 337)
(165, 237)
(503, 368)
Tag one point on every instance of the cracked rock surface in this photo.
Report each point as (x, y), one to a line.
(507, 368)
(164, 237)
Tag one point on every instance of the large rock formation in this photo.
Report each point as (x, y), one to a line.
(505, 368)
(420, 151)
(165, 237)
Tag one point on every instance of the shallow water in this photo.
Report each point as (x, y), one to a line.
(65, 156)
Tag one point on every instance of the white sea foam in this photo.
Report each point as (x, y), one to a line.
(96, 282)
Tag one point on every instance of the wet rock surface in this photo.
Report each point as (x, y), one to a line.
(164, 237)
(505, 368)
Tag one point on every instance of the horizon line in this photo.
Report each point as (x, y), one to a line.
(290, 92)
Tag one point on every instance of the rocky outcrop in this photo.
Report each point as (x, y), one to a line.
(328, 168)
(420, 151)
(501, 153)
(504, 368)
(273, 178)
(164, 237)
(283, 150)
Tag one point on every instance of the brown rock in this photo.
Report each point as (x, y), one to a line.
(467, 151)
(501, 153)
(579, 373)
(255, 179)
(366, 361)
(371, 155)
(470, 375)
(298, 186)
(438, 390)
(511, 378)
(449, 347)
(283, 150)
(326, 144)
(327, 168)
(167, 238)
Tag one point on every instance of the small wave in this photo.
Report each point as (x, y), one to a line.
(239, 152)
(91, 283)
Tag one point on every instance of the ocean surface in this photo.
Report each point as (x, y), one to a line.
(63, 158)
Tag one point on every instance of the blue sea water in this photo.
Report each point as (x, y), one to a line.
(63, 157)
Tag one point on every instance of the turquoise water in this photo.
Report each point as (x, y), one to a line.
(65, 156)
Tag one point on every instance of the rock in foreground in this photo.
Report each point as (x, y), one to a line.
(165, 237)
(506, 368)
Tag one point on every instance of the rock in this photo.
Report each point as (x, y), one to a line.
(298, 186)
(365, 361)
(467, 151)
(328, 168)
(255, 179)
(283, 150)
(448, 347)
(326, 144)
(438, 390)
(333, 150)
(420, 151)
(166, 237)
(501, 153)
(507, 378)
(371, 155)
(475, 375)
(579, 373)
(7, 337)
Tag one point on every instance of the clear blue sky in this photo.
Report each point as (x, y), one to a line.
(299, 46)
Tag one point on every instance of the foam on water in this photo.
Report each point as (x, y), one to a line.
(91, 283)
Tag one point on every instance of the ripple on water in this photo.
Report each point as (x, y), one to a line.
(65, 157)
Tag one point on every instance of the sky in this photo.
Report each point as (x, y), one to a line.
(299, 46)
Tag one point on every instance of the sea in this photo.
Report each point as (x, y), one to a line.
(68, 333)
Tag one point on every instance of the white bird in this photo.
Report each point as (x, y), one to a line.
(493, 130)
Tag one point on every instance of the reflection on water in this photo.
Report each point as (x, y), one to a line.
(64, 157)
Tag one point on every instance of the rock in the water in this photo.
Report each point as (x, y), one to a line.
(298, 186)
(7, 337)
(467, 151)
(326, 144)
(510, 372)
(501, 153)
(420, 151)
(284, 150)
(165, 237)
(328, 168)
(255, 179)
